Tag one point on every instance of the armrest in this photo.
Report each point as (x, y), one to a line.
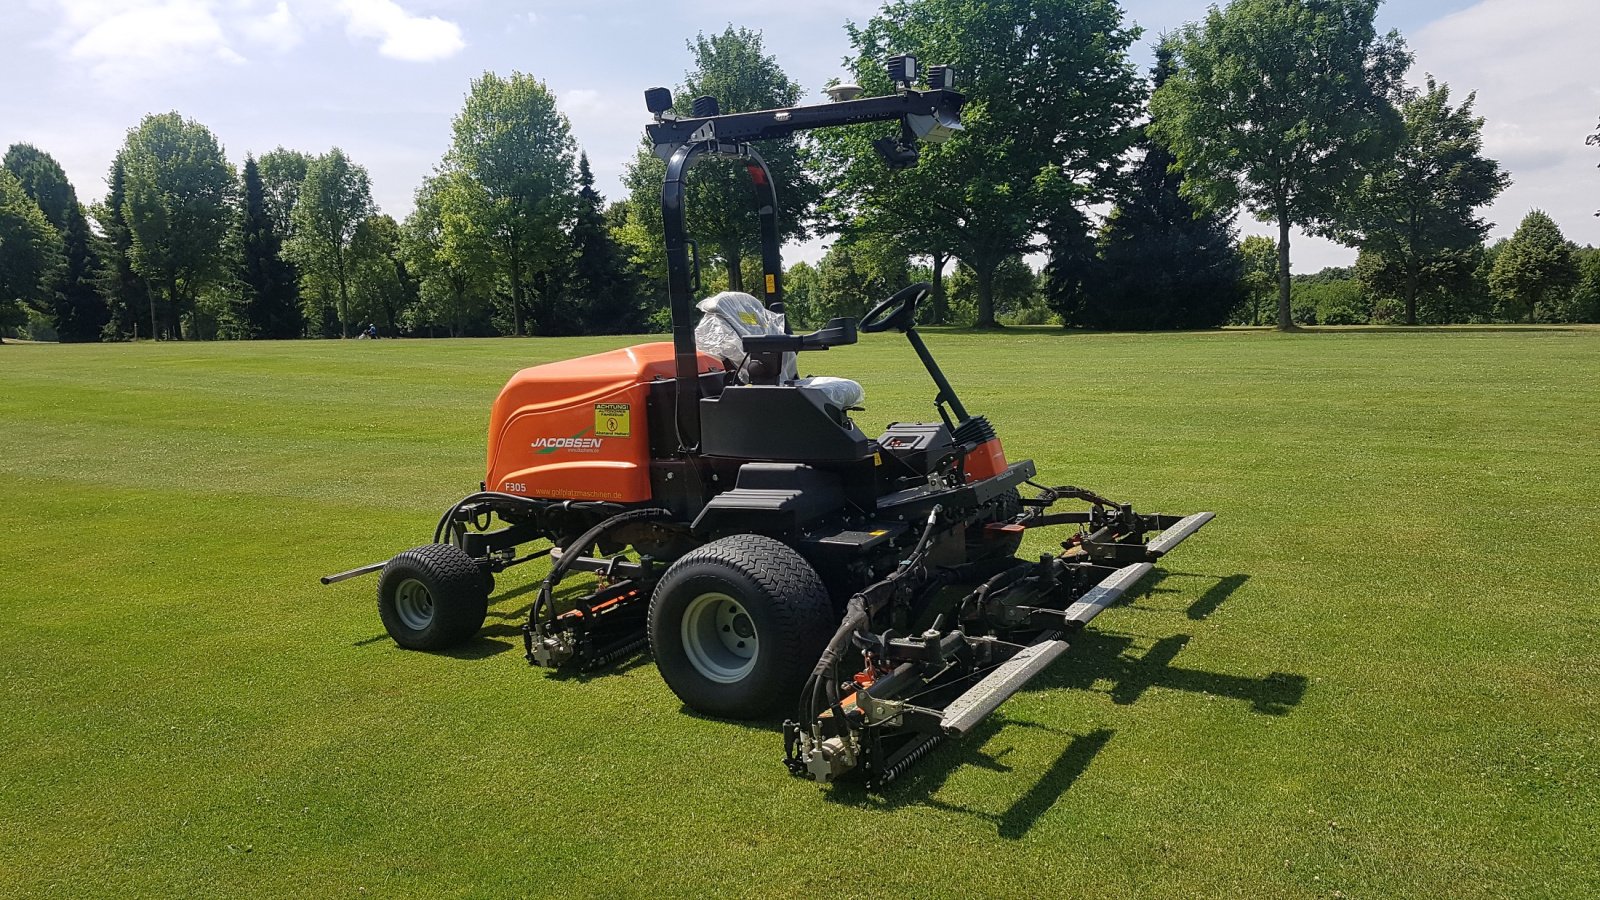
(836, 333)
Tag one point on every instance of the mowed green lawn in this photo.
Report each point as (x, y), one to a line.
(1376, 674)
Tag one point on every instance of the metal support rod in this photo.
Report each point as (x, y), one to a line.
(353, 573)
(946, 392)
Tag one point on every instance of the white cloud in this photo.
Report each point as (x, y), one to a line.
(130, 40)
(278, 29)
(402, 35)
(580, 101)
(1529, 61)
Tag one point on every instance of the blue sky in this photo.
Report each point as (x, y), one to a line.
(382, 78)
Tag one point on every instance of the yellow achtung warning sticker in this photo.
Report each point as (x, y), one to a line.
(772, 283)
(877, 458)
(749, 318)
(611, 420)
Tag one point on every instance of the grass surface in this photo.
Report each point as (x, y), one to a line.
(1374, 675)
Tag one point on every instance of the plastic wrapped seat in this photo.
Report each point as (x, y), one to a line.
(731, 316)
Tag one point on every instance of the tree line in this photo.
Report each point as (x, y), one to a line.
(1129, 185)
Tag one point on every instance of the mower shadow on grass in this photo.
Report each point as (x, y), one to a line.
(919, 786)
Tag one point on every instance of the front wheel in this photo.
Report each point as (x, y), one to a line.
(738, 624)
(432, 597)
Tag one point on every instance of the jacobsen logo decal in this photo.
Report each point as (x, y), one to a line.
(577, 442)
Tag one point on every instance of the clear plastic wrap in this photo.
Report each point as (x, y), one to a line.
(731, 316)
(842, 392)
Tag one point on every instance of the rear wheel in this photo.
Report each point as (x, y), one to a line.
(738, 624)
(432, 597)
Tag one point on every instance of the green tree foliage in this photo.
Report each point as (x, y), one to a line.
(801, 295)
(1534, 270)
(1162, 262)
(127, 295)
(77, 310)
(455, 276)
(333, 201)
(603, 283)
(1332, 296)
(720, 206)
(510, 190)
(855, 275)
(1281, 105)
(1416, 214)
(1258, 277)
(1014, 294)
(382, 284)
(270, 298)
(1051, 96)
(1583, 304)
(282, 173)
(179, 191)
(31, 257)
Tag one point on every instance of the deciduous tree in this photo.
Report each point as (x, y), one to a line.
(455, 275)
(334, 199)
(282, 172)
(512, 171)
(1281, 105)
(179, 191)
(1051, 100)
(1416, 214)
(1258, 276)
(735, 68)
(1534, 269)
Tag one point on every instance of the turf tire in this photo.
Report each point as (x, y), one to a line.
(455, 584)
(786, 603)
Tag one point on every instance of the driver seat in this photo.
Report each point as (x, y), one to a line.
(731, 316)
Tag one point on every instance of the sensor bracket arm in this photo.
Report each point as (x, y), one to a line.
(940, 109)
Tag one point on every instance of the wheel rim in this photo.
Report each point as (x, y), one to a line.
(720, 638)
(413, 604)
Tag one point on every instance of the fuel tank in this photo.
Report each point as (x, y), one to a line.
(576, 429)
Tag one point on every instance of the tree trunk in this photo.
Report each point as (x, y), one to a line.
(1285, 313)
(1411, 298)
(941, 304)
(735, 267)
(516, 296)
(173, 332)
(344, 296)
(985, 278)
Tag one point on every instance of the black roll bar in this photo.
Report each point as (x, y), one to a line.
(931, 115)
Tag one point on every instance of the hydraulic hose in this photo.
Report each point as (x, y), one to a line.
(575, 548)
(820, 689)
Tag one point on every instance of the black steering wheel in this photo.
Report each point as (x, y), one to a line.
(899, 312)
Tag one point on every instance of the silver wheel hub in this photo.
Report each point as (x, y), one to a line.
(719, 638)
(413, 604)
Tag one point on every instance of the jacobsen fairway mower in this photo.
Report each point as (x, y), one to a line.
(771, 555)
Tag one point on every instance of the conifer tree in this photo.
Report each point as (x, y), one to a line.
(77, 309)
(271, 299)
(603, 282)
(1163, 262)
